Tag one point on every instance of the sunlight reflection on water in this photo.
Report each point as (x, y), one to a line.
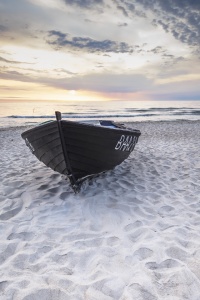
(16, 113)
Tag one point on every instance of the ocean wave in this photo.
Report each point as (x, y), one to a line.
(36, 112)
(82, 116)
(194, 112)
(29, 117)
(138, 113)
(173, 110)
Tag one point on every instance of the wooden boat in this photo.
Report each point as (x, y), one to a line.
(79, 149)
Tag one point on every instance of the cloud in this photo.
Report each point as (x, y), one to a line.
(61, 70)
(60, 40)
(128, 8)
(13, 61)
(157, 50)
(123, 10)
(180, 18)
(104, 83)
(186, 90)
(109, 83)
(175, 96)
(123, 24)
(87, 4)
(15, 75)
(3, 28)
(116, 84)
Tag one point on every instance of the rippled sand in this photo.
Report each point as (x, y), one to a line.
(131, 233)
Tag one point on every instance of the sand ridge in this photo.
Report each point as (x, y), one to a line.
(131, 233)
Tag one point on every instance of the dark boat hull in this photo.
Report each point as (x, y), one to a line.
(79, 150)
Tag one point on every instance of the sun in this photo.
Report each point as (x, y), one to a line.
(72, 92)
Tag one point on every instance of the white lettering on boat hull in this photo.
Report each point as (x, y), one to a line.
(126, 143)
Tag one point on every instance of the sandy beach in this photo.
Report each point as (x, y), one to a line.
(131, 233)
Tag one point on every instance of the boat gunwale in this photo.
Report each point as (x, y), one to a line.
(42, 127)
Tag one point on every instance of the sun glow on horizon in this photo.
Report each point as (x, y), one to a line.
(34, 91)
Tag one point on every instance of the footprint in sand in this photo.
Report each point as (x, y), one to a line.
(143, 253)
(133, 226)
(24, 261)
(11, 210)
(90, 243)
(140, 292)
(113, 241)
(137, 234)
(24, 236)
(20, 261)
(23, 284)
(3, 285)
(67, 284)
(8, 252)
(55, 176)
(166, 264)
(53, 190)
(10, 214)
(50, 294)
(43, 187)
(166, 210)
(64, 195)
(178, 253)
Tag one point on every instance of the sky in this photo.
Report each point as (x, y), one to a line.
(100, 50)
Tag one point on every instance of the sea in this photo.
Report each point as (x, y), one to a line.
(21, 113)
